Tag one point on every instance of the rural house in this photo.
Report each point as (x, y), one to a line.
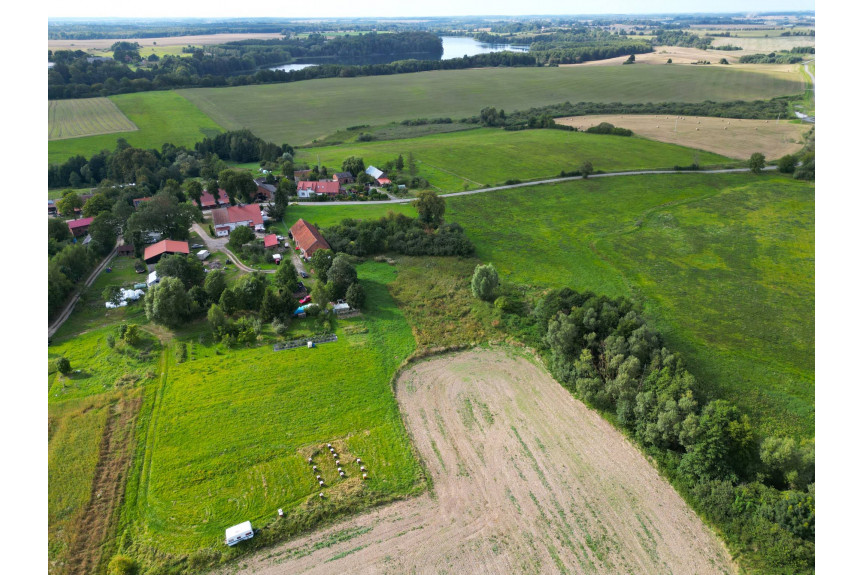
(324, 188)
(154, 253)
(266, 192)
(79, 227)
(271, 241)
(343, 178)
(138, 201)
(226, 219)
(307, 238)
(208, 202)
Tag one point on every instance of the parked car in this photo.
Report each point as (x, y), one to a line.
(306, 300)
(304, 274)
(301, 285)
(197, 246)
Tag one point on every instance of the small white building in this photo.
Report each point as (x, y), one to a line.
(237, 533)
(152, 279)
(203, 254)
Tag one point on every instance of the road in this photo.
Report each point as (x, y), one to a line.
(804, 117)
(67, 311)
(221, 245)
(534, 183)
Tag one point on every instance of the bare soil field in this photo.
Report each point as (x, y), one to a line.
(730, 137)
(525, 480)
(203, 40)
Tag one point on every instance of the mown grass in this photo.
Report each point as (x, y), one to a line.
(85, 117)
(488, 156)
(322, 215)
(321, 107)
(74, 434)
(232, 429)
(724, 265)
(161, 117)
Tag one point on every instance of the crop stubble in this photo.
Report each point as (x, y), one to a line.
(526, 480)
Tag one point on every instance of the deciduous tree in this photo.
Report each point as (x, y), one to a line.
(484, 282)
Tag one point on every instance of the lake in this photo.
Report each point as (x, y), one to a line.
(453, 47)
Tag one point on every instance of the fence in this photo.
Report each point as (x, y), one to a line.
(304, 342)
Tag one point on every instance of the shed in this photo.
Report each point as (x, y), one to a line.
(126, 250)
(271, 241)
(153, 253)
(152, 279)
(203, 254)
(237, 533)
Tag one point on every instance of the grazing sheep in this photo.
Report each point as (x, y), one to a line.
(358, 460)
(314, 467)
(340, 469)
(365, 475)
(318, 477)
(338, 462)
(362, 468)
(281, 513)
(310, 459)
(321, 482)
(342, 473)
(321, 494)
(335, 455)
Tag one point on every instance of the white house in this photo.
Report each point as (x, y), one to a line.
(226, 219)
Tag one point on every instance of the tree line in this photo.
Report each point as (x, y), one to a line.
(759, 491)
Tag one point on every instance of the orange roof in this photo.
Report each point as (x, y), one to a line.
(237, 214)
(166, 247)
(207, 198)
(271, 241)
(329, 187)
(308, 238)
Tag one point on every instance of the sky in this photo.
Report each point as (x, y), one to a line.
(402, 8)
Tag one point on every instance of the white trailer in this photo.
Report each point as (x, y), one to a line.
(203, 254)
(237, 533)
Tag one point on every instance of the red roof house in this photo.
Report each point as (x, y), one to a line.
(308, 238)
(79, 227)
(384, 181)
(271, 241)
(138, 201)
(325, 188)
(226, 219)
(208, 202)
(157, 250)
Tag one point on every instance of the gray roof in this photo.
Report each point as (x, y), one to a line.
(374, 172)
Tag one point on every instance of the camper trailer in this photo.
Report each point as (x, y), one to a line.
(237, 533)
(203, 254)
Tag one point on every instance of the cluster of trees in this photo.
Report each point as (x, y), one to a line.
(242, 146)
(758, 490)
(664, 37)
(802, 164)
(397, 233)
(771, 58)
(608, 128)
(337, 279)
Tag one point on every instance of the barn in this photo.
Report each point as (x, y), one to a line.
(308, 238)
(153, 253)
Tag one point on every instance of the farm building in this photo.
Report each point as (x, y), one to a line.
(343, 178)
(208, 202)
(374, 172)
(383, 181)
(52, 208)
(308, 238)
(266, 192)
(325, 188)
(300, 174)
(271, 241)
(153, 253)
(126, 250)
(79, 227)
(226, 219)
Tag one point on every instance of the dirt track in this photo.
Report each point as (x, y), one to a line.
(526, 480)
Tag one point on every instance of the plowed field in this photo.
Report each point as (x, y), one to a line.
(526, 480)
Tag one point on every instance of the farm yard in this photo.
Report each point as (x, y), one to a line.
(322, 107)
(730, 137)
(85, 117)
(489, 156)
(526, 480)
(160, 117)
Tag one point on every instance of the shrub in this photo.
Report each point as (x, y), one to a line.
(63, 365)
(484, 282)
(787, 164)
(355, 296)
(122, 565)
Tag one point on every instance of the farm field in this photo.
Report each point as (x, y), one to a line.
(160, 117)
(104, 44)
(322, 216)
(231, 432)
(85, 117)
(322, 107)
(526, 480)
(724, 265)
(490, 156)
(732, 137)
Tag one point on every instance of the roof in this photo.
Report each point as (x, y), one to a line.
(207, 198)
(236, 530)
(166, 247)
(308, 238)
(329, 187)
(238, 214)
(384, 181)
(271, 241)
(76, 224)
(374, 172)
(138, 201)
(343, 175)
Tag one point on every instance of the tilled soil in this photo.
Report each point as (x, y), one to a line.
(526, 480)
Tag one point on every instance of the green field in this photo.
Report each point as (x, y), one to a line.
(160, 116)
(489, 156)
(724, 265)
(300, 112)
(231, 428)
(85, 117)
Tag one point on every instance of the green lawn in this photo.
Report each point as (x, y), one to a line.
(724, 265)
(160, 117)
(300, 112)
(85, 117)
(231, 429)
(322, 216)
(490, 156)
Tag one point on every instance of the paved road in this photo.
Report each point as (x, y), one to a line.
(67, 311)
(221, 245)
(534, 183)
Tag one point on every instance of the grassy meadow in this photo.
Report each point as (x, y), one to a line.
(232, 429)
(85, 117)
(161, 116)
(300, 112)
(491, 156)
